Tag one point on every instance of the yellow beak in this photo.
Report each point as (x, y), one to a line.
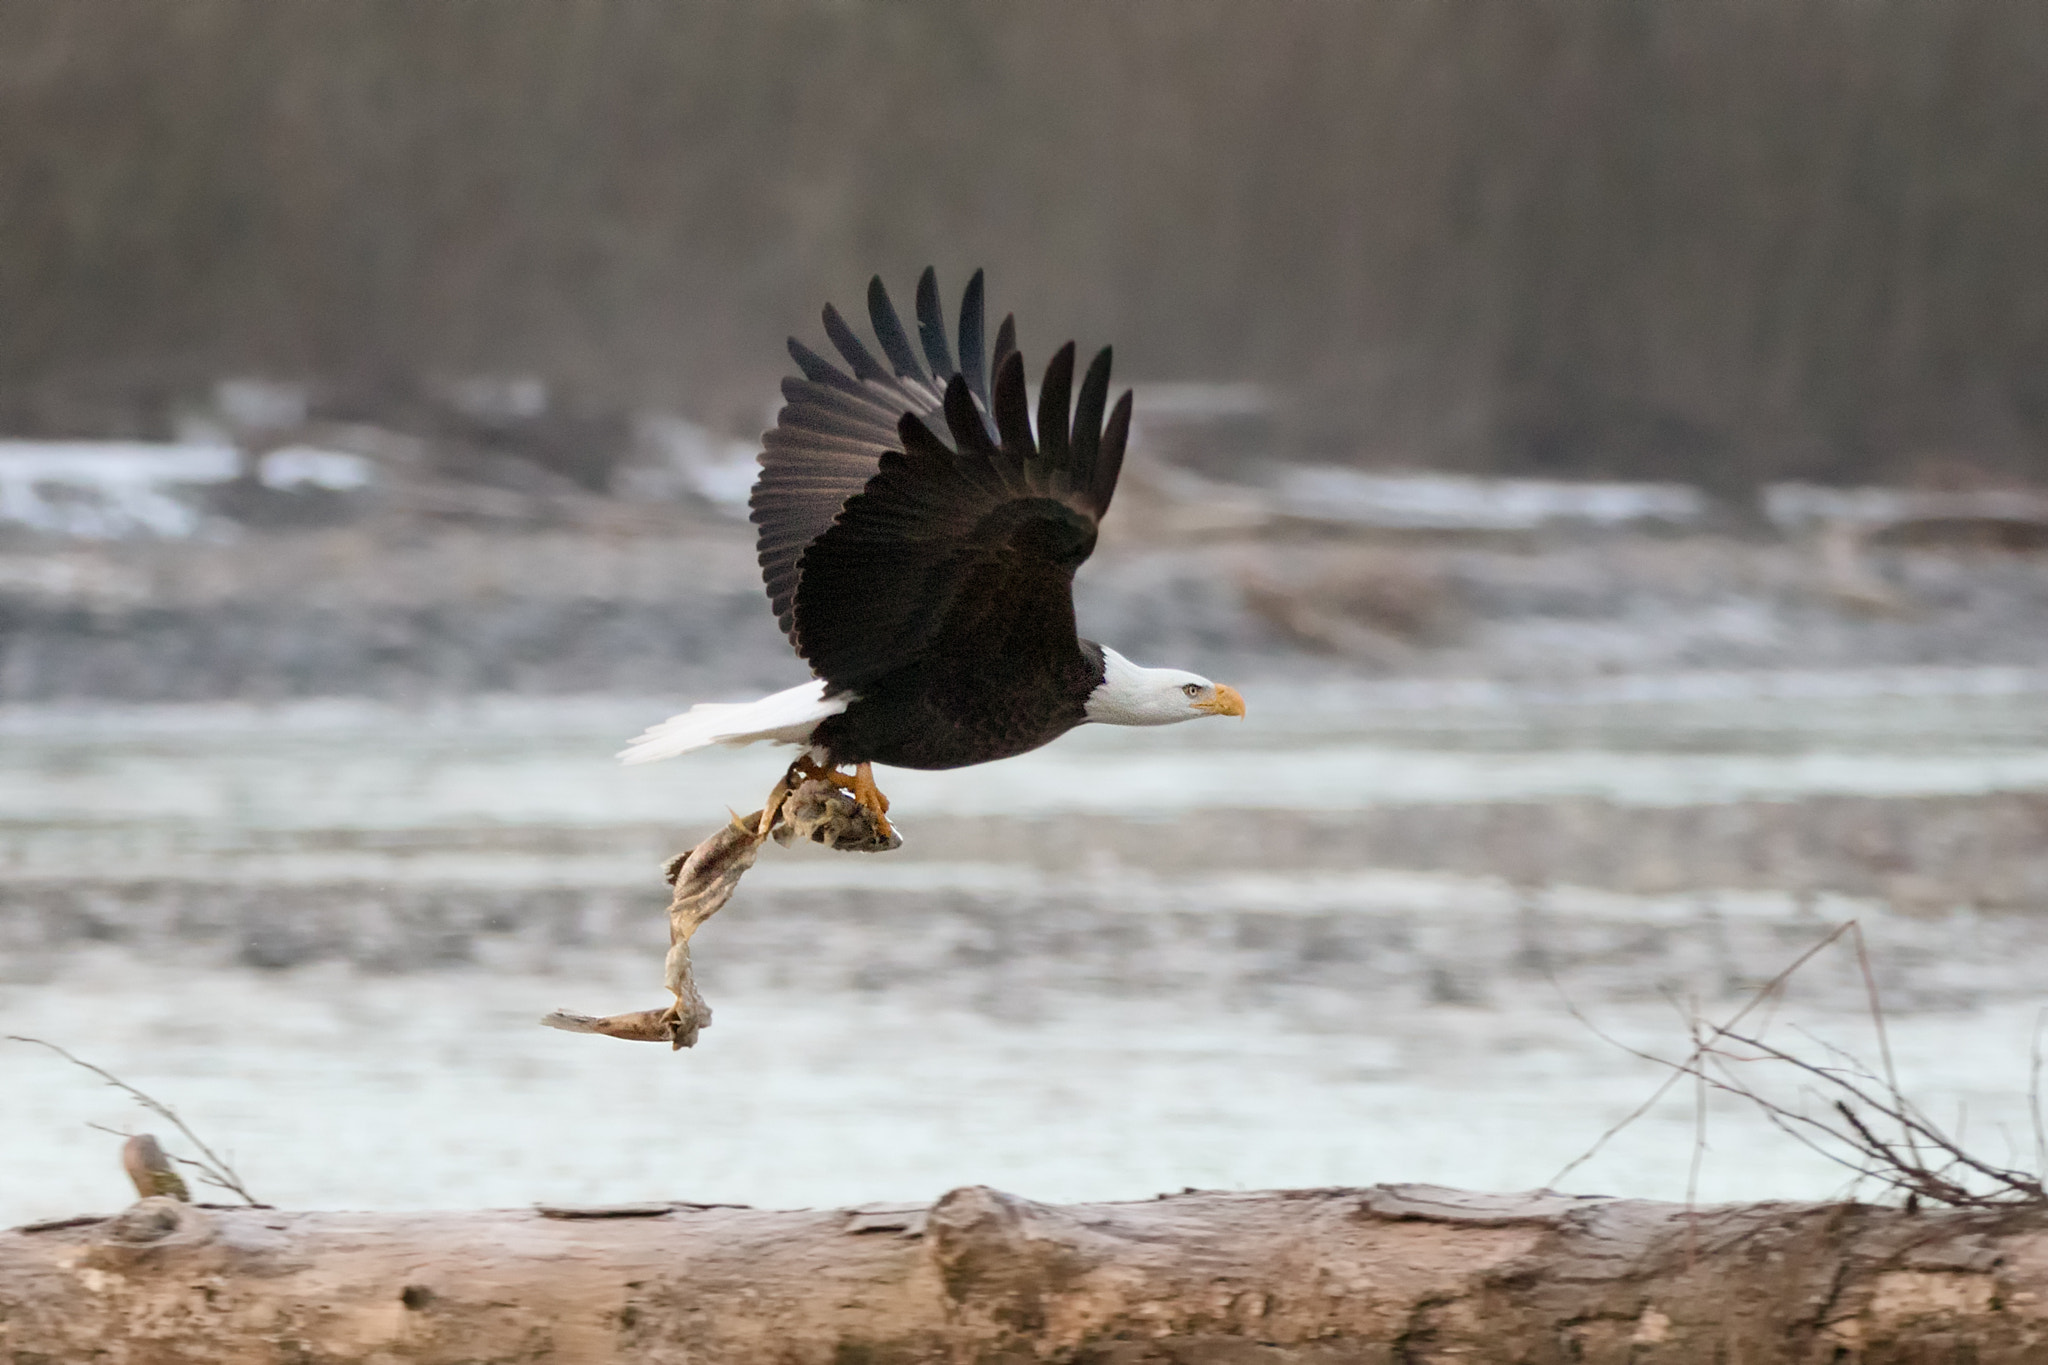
(1226, 702)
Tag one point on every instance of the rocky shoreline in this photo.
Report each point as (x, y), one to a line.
(386, 609)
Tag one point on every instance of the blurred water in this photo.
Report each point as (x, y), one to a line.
(325, 932)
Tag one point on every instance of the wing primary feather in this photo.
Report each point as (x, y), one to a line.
(1110, 462)
(889, 331)
(1088, 419)
(1006, 341)
(918, 441)
(973, 356)
(859, 399)
(964, 419)
(931, 326)
(865, 366)
(1013, 410)
(1054, 391)
(819, 370)
(875, 482)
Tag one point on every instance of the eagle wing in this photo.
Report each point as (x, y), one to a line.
(943, 524)
(829, 437)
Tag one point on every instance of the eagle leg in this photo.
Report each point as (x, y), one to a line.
(871, 799)
(807, 769)
(860, 785)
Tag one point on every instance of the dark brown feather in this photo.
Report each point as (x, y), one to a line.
(973, 359)
(931, 326)
(893, 528)
(889, 331)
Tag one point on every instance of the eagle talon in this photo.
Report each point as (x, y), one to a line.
(860, 785)
(872, 801)
(806, 769)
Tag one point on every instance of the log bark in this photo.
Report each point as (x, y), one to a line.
(1383, 1275)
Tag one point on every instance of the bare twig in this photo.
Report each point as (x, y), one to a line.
(1924, 1162)
(1769, 991)
(213, 1168)
(205, 1171)
(1699, 1145)
(1884, 1042)
(2034, 1098)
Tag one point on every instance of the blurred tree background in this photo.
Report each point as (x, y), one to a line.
(1723, 240)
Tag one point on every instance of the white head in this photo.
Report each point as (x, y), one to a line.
(1130, 695)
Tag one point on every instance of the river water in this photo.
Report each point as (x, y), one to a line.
(1131, 962)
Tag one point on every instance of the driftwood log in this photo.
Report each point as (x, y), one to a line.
(1389, 1274)
(703, 880)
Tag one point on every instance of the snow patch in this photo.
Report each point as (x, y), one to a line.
(310, 467)
(1799, 506)
(1455, 503)
(102, 490)
(689, 459)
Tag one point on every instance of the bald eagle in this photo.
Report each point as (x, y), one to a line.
(918, 540)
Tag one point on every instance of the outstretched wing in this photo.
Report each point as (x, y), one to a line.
(829, 437)
(974, 543)
(897, 502)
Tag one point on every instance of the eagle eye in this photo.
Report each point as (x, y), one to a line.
(1192, 689)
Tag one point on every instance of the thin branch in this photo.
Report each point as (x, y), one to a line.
(2034, 1098)
(214, 1169)
(1678, 1073)
(1917, 1129)
(1884, 1042)
(1923, 1162)
(207, 1174)
(1768, 991)
(1794, 1125)
(1699, 1149)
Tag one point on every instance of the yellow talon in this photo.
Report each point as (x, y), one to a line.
(871, 799)
(860, 786)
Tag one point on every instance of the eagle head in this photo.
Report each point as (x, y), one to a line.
(1133, 695)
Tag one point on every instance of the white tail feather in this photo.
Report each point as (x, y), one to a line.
(784, 718)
